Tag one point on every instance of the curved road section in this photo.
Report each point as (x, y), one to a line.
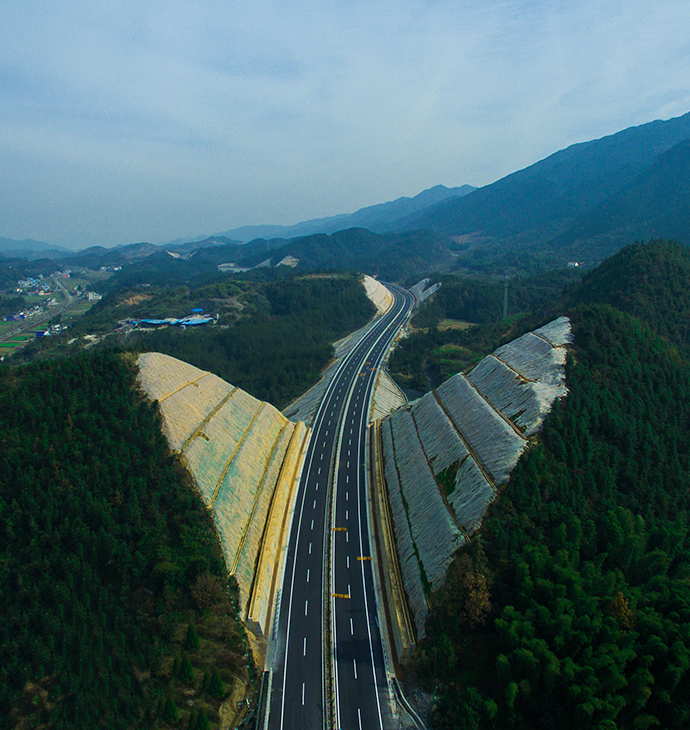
(328, 666)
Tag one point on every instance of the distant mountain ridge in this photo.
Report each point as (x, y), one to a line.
(582, 204)
(376, 218)
(655, 204)
(29, 249)
(566, 184)
(527, 211)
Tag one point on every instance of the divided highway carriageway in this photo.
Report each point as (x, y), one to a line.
(327, 669)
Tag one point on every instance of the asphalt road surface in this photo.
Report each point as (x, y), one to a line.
(328, 616)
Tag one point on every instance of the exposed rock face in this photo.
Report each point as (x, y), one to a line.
(446, 455)
(236, 448)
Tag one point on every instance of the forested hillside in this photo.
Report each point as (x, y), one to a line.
(572, 606)
(656, 203)
(107, 556)
(648, 280)
(393, 256)
(583, 202)
(271, 339)
(277, 353)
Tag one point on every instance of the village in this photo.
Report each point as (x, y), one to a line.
(42, 306)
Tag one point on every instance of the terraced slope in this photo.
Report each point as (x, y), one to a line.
(448, 453)
(244, 456)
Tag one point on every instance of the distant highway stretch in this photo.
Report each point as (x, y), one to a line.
(328, 615)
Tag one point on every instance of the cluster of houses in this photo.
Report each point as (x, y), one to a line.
(42, 287)
(53, 329)
(23, 314)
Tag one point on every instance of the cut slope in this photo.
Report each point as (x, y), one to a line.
(242, 455)
(448, 453)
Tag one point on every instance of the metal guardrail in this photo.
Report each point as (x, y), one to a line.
(405, 704)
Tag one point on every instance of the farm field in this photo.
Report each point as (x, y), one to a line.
(75, 312)
(8, 347)
(454, 324)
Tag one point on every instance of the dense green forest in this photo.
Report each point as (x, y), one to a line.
(106, 556)
(571, 608)
(648, 280)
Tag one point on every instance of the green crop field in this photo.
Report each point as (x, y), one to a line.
(73, 313)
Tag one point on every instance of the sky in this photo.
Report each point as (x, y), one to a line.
(147, 120)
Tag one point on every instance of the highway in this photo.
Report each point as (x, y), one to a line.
(328, 667)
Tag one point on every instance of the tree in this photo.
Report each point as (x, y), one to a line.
(621, 611)
(191, 640)
(170, 714)
(215, 687)
(202, 722)
(191, 723)
(186, 673)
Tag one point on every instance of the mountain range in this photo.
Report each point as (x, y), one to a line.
(29, 249)
(377, 218)
(587, 200)
(580, 204)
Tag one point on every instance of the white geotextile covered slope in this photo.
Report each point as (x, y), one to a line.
(378, 293)
(475, 427)
(387, 397)
(234, 446)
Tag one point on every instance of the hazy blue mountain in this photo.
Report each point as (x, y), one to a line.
(199, 243)
(96, 256)
(30, 249)
(540, 202)
(10, 244)
(656, 204)
(374, 217)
